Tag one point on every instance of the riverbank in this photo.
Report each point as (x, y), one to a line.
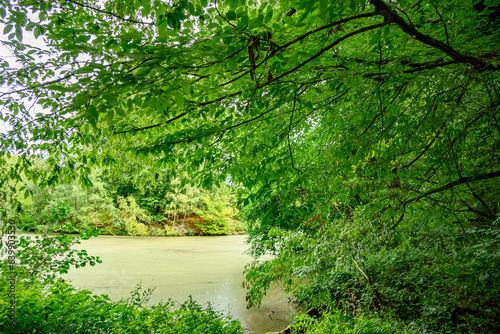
(187, 225)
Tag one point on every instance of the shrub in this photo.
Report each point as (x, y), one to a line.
(60, 308)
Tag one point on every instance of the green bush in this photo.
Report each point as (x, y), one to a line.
(134, 217)
(217, 209)
(338, 322)
(434, 278)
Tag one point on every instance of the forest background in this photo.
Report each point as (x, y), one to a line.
(127, 205)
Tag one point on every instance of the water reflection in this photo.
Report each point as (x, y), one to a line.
(208, 268)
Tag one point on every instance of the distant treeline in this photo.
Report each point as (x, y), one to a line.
(134, 202)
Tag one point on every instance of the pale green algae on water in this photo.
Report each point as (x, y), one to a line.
(208, 268)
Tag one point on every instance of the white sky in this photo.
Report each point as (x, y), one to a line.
(6, 54)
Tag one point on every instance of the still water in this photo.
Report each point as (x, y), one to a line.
(208, 268)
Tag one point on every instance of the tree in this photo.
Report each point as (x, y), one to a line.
(373, 114)
(259, 91)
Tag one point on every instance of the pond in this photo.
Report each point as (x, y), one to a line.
(208, 268)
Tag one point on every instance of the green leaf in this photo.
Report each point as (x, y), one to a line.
(289, 20)
(269, 16)
(231, 15)
(169, 32)
(109, 117)
(93, 112)
(179, 99)
(232, 3)
(213, 25)
(120, 111)
(59, 87)
(376, 37)
(38, 31)
(112, 100)
(19, 34)
(186, 89)
(323, 6)
(191, 9)
(7, 29)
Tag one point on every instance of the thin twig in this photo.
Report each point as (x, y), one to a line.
(109, 13)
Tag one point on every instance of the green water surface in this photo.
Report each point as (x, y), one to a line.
(208, 268)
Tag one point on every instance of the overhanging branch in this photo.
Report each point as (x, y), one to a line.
(109, 13)
(428, 40)
(386, 21)
(455, 183)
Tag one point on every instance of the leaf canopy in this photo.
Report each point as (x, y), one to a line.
(386, 102)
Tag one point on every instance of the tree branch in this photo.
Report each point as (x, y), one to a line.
(37, 86)
(152, 126)
(109, 13)
(288, 133)
(424, 150)
(454, 184)
(426, 39)
(331, 45)
(284, 46)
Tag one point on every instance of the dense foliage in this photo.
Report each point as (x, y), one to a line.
(127, 205)
(61, 309)
(366, 134)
